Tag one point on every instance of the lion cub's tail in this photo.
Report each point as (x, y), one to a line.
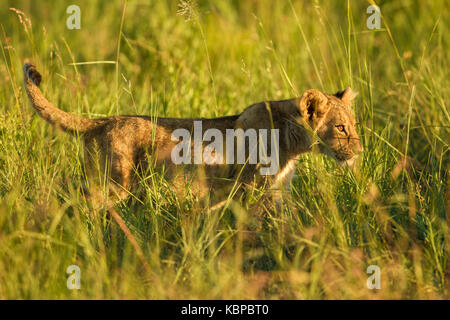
(57, 117)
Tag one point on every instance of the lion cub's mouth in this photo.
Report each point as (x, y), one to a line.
(343, 160)
(348, 162)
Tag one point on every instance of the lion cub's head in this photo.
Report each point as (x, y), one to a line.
(330, 117)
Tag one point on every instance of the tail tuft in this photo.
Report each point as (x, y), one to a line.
(50, 113)
(30, 73)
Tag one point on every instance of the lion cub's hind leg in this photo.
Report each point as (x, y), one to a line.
(109, 173)
(122, 171)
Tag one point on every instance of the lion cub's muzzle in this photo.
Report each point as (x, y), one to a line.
(357, 151)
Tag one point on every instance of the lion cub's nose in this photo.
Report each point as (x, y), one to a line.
(358, 147)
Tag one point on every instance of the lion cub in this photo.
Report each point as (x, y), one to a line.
(258, 147)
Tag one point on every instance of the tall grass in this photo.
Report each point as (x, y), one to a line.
(391, 212)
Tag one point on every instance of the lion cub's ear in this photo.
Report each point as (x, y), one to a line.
(346, 95)
(313, 104)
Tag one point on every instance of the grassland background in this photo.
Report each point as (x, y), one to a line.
(215, 60)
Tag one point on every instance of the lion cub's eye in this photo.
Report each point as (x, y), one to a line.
(340, 128)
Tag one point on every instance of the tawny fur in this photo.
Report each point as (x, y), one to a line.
(130, 145)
